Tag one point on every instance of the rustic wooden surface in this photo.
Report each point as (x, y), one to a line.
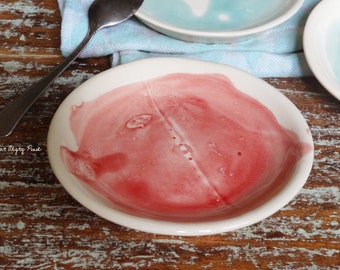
(42, 227)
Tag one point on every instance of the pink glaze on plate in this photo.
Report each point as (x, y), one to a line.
(181, 147)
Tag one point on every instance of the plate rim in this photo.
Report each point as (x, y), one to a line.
(217, 36)
(312, 45)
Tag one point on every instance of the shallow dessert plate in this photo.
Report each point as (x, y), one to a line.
(217, 21)
(321, 43)
(288, 116)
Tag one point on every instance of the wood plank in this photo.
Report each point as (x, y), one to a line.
(43, 227)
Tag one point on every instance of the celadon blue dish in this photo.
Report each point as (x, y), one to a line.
(321, 44)
(215, 21)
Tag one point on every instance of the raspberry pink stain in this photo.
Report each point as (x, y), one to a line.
(181, 147)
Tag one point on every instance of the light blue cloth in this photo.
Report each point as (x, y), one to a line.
(277, 52)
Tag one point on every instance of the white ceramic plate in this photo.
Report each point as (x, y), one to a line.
(60, 134)
(322, 44)
(217, 21)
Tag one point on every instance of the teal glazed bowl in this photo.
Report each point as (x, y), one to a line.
(215, 21)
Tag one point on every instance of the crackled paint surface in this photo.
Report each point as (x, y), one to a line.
(181, 146)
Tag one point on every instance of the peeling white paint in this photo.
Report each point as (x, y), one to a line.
(321, 195)
(81, 227)
(21, 225)
(168, 241)
(53, 231)
(12, 66)
(25, 7)
(22, 38)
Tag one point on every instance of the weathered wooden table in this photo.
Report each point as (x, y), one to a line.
(42, 227)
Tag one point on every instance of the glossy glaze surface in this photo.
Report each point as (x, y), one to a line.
(213, 15)
(162, 217)
(215, 21)
(321, 43)
(333, 49)
(181, 147)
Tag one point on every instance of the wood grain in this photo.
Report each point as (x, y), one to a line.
(42, 227)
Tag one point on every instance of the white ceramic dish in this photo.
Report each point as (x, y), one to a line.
(321, 43)
(216, 21)
(60, 134)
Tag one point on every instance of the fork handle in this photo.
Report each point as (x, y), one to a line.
(14, 111)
